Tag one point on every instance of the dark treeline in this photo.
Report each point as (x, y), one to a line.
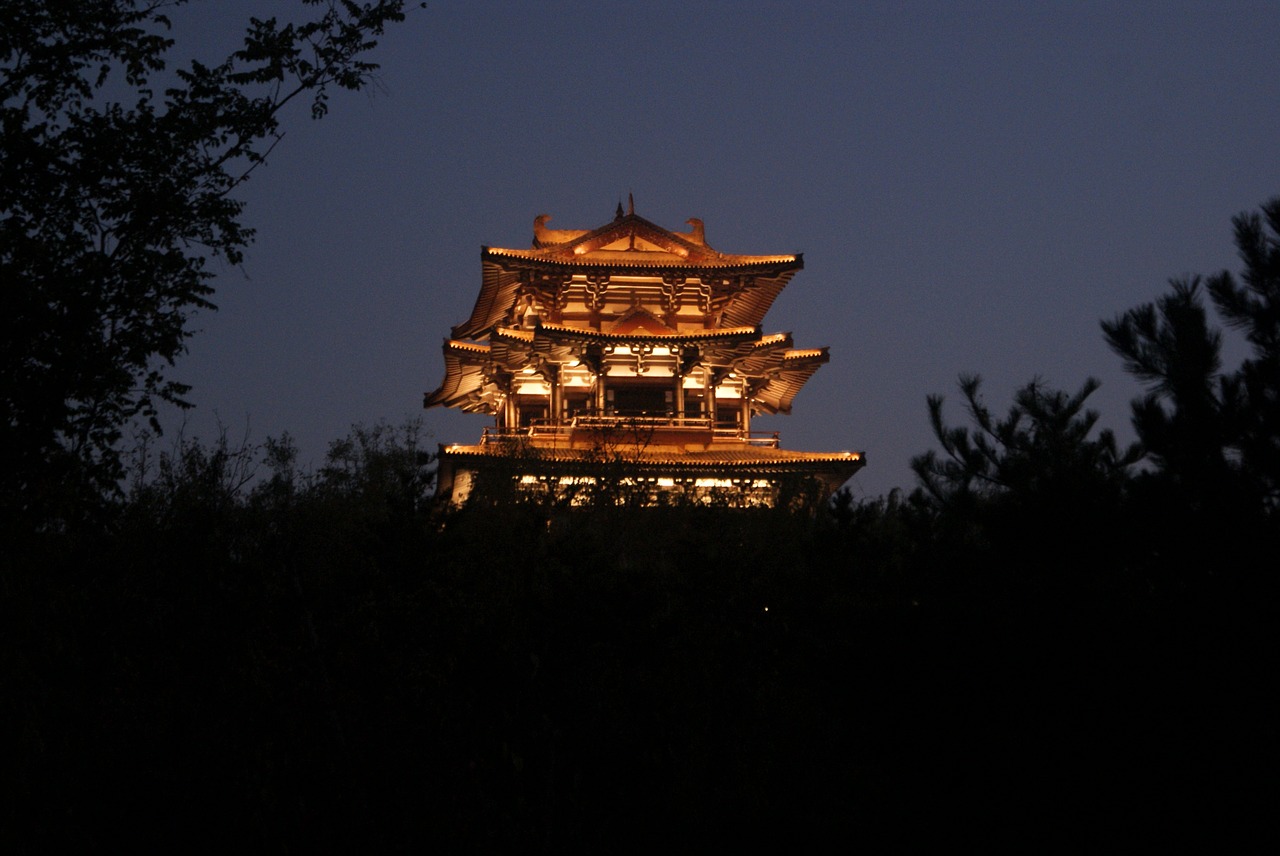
(1052, 642)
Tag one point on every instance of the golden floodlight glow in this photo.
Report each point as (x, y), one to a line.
(635, 337)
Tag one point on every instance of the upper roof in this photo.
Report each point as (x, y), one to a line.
(630, 240)
(745, 285)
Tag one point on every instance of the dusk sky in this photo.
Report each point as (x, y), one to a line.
(973, 187)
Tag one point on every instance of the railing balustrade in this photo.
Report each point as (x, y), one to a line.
(552, 428)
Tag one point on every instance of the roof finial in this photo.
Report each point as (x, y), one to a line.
(617, 215)
(631, 204)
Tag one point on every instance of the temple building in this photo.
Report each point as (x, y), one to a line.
(631, 359)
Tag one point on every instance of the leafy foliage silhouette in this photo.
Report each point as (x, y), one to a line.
(115, 196)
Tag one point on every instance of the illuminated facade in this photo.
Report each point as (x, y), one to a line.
(632, 357)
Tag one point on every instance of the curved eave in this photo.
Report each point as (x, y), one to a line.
(512, 334)
(559, 332)
(499, 288)
(766, 354)
(747, 308)
(463, 377)
(785, 382)
(832, 468)
(647, 261)
(747, 458)
(510, 347)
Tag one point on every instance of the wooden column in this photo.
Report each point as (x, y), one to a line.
(710, 393)
(509, 417)
(557, 395)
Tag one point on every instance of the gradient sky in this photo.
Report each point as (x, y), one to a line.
(973, 186)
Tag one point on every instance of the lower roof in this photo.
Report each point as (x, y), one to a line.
(745, 458)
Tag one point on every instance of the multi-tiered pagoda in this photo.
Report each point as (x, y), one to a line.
(632, 356)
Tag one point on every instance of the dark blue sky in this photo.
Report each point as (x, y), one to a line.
(973, 186)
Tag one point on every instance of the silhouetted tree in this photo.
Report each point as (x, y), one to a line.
(1253, 306)
(1042, 446)
(1032, 491)
(1211, 434)
(1182, 422)
(115, 195)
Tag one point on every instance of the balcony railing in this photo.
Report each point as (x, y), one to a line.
(643, 420)
(649, 426)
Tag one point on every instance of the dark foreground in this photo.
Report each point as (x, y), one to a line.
(617, 681)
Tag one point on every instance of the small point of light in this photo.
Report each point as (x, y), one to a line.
(766, 609)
